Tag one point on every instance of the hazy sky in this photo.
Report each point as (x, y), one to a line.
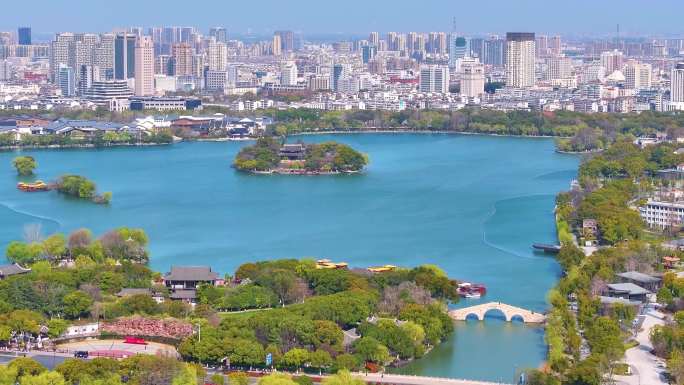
(577, 17)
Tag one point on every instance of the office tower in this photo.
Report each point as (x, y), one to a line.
(612, 61)
(66, 80)
(520, 59)
(555, 46)
(542, 46)
(477, 48)
(288, 74)
(677, 87)
(368, 53)
(472, 77)
(637, 75)
(87, 75)
(434, 78)
(559, 67)
(182, 59)
(286, 40)
(374, 38)
(144, 66)
(335, 75)
(164, 65)
(217, 56)
(24, 35)
(458, 49)
(494, 52)
(277, 46)
(124, 56)
(411, 42)
(392, 41)
(187, 35)
(219, 33)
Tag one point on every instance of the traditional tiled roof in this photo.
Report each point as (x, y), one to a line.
(638, 277)
(191, 273)
(13, 269)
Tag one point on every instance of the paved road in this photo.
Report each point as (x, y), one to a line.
(643, 363)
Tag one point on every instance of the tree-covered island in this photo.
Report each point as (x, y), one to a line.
(268, 155)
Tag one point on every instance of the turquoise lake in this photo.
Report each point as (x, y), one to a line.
(470, 204)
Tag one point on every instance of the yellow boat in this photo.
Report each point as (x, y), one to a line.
(381, 269)
(38, 185)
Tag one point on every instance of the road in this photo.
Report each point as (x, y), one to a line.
(644, 364)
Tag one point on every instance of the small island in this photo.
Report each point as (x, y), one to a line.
(270, 156)
(81, 187)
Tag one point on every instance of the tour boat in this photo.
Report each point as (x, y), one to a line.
(471, 290)
(31, 187)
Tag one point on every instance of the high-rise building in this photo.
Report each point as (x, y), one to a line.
(182, 59)
(477, 48)
(144, 66)
(677, 87)
(277, 45)
(286, 41)
(87, 75)
(103, 56)
(493, 52)
(219, 33)
(520, 55)
(60, 53)
(458, 49)
(434, 79)
(559, 67)
(472, 77)
(217, 56)
(437, 43)
(555, 46)
(288, 74)
(66, 80)
(612, 61)
(374, 38)
(24, 35)
(335, 75)
(368, 53)
(124, 56)
(637, 75)
(542, 46)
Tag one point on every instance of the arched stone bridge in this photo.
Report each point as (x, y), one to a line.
(508, 311)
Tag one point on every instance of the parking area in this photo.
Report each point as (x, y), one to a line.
(115, 348)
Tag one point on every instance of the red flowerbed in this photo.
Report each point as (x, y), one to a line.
(138, 326)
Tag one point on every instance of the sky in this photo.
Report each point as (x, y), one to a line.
(353, 17)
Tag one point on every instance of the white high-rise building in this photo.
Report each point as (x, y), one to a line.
(288, 74)
(217, 56)
(559, 67)
(520, 54)
(677, 88)
(472, 76)
(144, 66)
(434, 78)
(66, 79)
(637, 75)
(612, 61)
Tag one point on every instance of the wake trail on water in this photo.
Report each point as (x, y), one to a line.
(31, 215)
(502, 248)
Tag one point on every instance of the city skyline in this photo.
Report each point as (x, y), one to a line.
(580, 18)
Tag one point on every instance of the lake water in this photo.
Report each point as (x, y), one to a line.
(470, 204)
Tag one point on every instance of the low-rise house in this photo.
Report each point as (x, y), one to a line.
(608, 302)
(295, 151)
(85, 330)
(189, 277)
(628, 291)
(590, 231)
(646, 281)
(187, 296)
(12, 269)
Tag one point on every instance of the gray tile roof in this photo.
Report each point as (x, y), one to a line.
(638, 277)
(13, 269)
(184, 294)
(191, 273)
(629, 288)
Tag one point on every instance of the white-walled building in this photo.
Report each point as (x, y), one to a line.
(472, 77)
(434, 79)
(520, 56)
(144, 66)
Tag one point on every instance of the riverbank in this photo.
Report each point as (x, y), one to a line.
(285, 171)
(415, 131)
(78, 145)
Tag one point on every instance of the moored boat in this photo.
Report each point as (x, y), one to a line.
(471, 290)
(31, 187)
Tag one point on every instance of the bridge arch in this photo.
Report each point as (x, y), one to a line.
(509, 312)
(473, 315)
(495, 312)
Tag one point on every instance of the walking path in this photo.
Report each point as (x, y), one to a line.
(644, 364)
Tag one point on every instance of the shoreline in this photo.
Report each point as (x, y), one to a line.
(81, 145)
(414, 131)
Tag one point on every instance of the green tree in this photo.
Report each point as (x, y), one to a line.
(8, 376)
(276, 379)
(238, 378)
(187, 376)
(343, 377)
(77, 304)
(296, 358)
(370, 349)
(46, 378)
(24, 165)
(26, 367)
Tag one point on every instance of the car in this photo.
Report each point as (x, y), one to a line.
(81, 354)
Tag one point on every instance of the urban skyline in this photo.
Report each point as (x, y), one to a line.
(580, 18)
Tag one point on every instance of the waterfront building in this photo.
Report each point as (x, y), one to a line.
(434, 79)
(144, 66)
(472, 76)
(662, 215)
(110, 94)
(520, 55)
